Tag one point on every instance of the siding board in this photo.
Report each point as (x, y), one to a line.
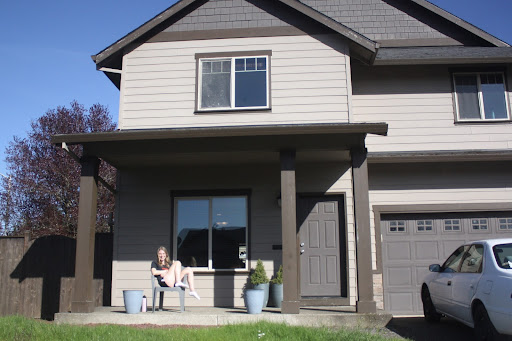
(308, 83)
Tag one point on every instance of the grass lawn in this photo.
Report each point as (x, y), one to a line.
(21, 328)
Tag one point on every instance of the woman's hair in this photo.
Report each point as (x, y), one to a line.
(167, 259)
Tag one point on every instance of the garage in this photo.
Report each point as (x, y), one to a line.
(413, 241)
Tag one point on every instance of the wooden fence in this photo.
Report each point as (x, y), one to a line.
(37, 276)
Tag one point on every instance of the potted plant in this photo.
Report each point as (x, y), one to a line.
(276, 290)
(260, 280)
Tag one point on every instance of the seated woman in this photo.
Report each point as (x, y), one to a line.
(171, 275)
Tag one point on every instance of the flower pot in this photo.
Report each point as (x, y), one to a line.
(132, 301)
(254, 300)
(276, 293)
(265, 287)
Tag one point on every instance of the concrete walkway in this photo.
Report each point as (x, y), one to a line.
(198, 316)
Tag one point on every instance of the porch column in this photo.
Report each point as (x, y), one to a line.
(83, 293)
(291, 297)
(365, 302)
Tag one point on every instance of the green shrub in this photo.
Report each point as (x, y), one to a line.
(259, 276)
(278, 279)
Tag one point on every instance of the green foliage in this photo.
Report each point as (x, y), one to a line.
(22, 328)
(259, 276)
(278, 279)
(41, 190)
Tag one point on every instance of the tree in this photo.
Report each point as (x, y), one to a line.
(42, 194)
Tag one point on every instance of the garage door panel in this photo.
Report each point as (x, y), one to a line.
(400, 301)
(421, 271)
(398, 251)
(449, 246)
(399, 276)
(407, 254)
(426, 250)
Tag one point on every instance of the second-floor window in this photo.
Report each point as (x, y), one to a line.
(233, 83)
(480, 96)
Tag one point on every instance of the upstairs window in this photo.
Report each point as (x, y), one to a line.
(233, 83)
(480, 96)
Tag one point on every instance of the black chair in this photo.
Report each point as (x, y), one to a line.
(157, 288)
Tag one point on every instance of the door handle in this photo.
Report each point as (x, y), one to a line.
(301, 252)
(449, 283)
(301, 244)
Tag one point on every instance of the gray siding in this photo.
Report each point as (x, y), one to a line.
(144, 222)
(375, 19)
(226, 14)
(417, 103)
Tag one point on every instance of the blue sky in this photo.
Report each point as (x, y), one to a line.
(46, 47)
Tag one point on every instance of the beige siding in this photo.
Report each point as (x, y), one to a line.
(308, 83)
(143, 223)
(417, 103)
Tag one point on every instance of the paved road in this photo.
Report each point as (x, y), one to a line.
(417, 329)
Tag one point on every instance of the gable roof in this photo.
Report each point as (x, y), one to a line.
(324, 13)
(158, 23)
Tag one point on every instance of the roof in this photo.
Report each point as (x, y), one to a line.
(131, 148)
(362, 47)
(153, 26)
(443, 55)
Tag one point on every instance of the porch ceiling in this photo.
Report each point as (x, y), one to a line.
(224, 145)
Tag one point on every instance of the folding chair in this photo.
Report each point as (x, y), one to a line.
(157, 288)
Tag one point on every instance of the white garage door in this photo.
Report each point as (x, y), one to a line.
(411, 242)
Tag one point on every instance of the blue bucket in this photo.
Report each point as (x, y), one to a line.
(133, 301)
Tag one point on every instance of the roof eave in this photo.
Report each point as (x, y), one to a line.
(223, 131)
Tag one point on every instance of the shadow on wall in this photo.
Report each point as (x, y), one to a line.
(52, 258)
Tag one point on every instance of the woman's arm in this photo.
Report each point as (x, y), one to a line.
(156, 272)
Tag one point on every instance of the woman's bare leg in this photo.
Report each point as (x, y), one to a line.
(170, 277)
(188, 271)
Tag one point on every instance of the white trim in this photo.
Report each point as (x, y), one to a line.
(232, 83)
(481, 104)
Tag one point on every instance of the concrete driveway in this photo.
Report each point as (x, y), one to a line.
(416, 328)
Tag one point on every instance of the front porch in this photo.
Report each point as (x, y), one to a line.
(213, 316)
(158, 168)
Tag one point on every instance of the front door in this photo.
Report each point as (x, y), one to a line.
(322, 246)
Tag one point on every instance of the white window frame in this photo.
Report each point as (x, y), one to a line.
(232, 82)
(210, 198)
(481, 106)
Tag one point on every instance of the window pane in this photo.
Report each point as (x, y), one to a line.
(229, 224)
(262, 64)
(452, 263)
(240, 64)
(479, 224)
(215, 87)
(493, 93)
(467, 96)
(251, 89)
(473, 259)
(192, 232)
(250, 64)
(503, 255)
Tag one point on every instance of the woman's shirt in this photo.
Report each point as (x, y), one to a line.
(159, 267)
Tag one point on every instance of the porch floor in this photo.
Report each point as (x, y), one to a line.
(208, 316)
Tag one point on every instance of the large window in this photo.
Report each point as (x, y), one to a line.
(480, 96)
(211, 232)
(233, 83)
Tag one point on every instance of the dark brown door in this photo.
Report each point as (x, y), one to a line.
(322, 246)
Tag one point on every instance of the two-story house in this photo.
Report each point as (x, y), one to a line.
(353, 141)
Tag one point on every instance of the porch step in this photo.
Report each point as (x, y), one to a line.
(197, 316)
